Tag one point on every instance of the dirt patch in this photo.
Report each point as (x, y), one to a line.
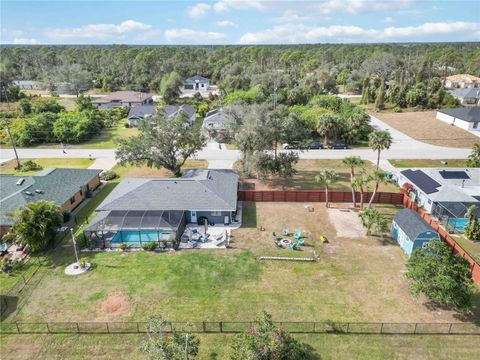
(115, 304)
(419, 125)
(346, 222)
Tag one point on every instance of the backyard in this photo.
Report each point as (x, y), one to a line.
(304, 179)
(423, 126)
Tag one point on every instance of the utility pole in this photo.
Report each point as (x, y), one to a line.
(74, 245)
(186, 346)
(14, 148)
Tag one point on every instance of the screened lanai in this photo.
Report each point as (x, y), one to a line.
(135, 228)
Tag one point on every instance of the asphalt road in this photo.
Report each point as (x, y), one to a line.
(403, 147)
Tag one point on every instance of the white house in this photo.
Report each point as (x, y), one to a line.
(27, 84)
(197, 83)
(462, 81)
(467, 118)
(468, 96)
(438, 189)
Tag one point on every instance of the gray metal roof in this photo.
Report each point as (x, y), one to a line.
(469, 93)
(411, 223)
(141, 111)
(196, 79)
(57, 185)
(172, 110)
(200, 190)
(470, 114)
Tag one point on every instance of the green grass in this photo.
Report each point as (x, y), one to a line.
(145, 171)
(471, 247)
(216, 347)
(79, 163)
(106, 138)
(414, 163)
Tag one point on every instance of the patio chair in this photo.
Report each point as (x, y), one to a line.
(298, 235)
(286, 231)
(293, 246)
(301, 242)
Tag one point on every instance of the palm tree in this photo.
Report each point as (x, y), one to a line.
(379, 177)
(328, 124)
(474, 157)
(326, 177)
(360, 182)
(379, 140)
(352, 162)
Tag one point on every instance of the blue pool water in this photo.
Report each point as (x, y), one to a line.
(135, 237)
(459, 224)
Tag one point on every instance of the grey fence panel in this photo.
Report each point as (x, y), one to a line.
(363, 328)
(398, 328)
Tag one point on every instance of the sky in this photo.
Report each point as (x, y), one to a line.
(238, 21)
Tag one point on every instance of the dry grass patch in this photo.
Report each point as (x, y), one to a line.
(423, 126)
(114, 305)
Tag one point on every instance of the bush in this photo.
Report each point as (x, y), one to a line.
(108, 175)
(30, 165)
(151, 246)
(397, 109)
(123, 246)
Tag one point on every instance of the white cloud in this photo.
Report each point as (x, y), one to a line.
(292, 16)
(198, 11)
(99, 31)
(225, 23)
(193, 36)
(225, 5)
(25, 41)
(387, 20)
(298, 33)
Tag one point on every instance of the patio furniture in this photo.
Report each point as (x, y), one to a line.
(293, 246)
(298, 235)
(301, 242)
(286, 231)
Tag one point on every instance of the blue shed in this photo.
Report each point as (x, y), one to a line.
(411, 231)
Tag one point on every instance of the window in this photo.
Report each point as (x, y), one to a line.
(216, 213)
(81, 192)
(475, 125)
(72, 199)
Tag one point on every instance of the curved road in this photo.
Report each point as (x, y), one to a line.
(403, 147)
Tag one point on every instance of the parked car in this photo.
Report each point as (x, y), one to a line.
(291, 146)
(315, 146)
(338, 146)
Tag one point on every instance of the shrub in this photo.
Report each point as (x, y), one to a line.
(108, 175)
(127, 125)
(397, 109)
(5, 264)
(30, 165)
(151, 246)
(123, 246)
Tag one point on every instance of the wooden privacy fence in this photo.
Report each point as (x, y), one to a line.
(317, 196)
(235, 327)
(456, 248)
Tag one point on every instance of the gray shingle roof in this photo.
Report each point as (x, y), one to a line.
(469, 93)
(470, 114)
(57, 185)
(411, 223)
(124, 96)
(216, 119)
(196, 79)
(172, 110)
(141, 111)
(201, 190)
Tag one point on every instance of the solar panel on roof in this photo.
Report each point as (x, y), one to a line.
(422, 181)
(451, 174)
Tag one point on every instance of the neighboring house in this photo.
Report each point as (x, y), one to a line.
(142, 210)
(411, 231)
(140, 112)
(468, 96)
(124, 98)
(217, 120)
(26, 84)
(196, 83)
(467, 118)
(462, 81)
(172, 110)
(65, 187)
(442, 192)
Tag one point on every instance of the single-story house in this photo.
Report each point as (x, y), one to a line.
(27, 84)
(468, 96)
(172, 110)
(124, 98)
(217, 120)
(467, 118)
(65, 187)
(462, 81)
(140, 112)
(196, 83)
(143, 210)
(411, 231)
(442, 192)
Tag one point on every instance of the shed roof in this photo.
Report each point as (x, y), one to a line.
(469, 114)
(411, 223)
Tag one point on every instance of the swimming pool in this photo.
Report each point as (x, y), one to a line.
(458, 224)
(136, 237)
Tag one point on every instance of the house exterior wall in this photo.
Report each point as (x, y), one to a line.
(402, 239)
(455, 121)
(80, 195)
(461, 85)
(424, 238)
(216, 219)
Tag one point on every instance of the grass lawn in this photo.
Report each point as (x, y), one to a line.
(356, 279)
(106, 138)
(8, 167)
(414, 163)
(472, 247)
(216, 347)
(305, 177)
(145, 171)
(423, 126)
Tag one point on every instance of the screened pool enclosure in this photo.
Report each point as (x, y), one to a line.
(135, 228)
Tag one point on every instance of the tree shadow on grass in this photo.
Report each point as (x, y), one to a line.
(8, 306)
(249, 215)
